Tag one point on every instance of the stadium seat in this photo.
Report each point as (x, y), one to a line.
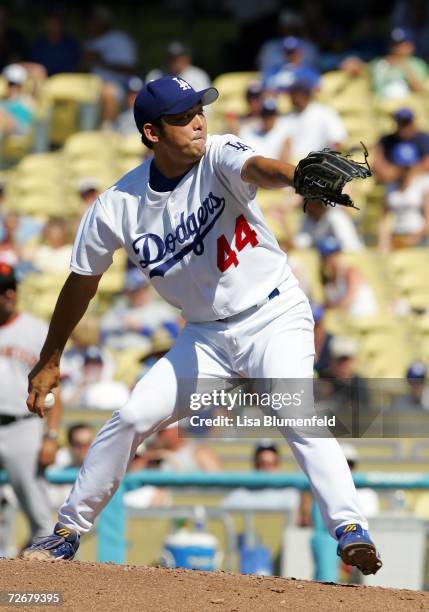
(74, 102)
(84, 145)
(309, 259)
(232, 87)
(131, 146)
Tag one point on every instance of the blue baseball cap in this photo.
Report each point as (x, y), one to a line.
(405, 154)
(400, 35)
(417, 370)
(404, 114)
(329, 246)
(269, 106)
(304, 79)
(168, 96)
(135, 279)
(292, 43)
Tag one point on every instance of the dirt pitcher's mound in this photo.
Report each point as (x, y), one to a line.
(92, 587)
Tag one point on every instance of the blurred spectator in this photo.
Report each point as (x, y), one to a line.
(406, 132)
(10, 252)
(293, 68)
(56, 50)
(85, 335)
(53, 253)
(406, 218)
(322, 340)
(345, 289)
(312, 125)
(13, 46)
(415, 17)
(256, 21)
(160, 343)
(271, 54)
(80, 436)
(322, 222)
(267, 135)
(367, 41)
(16, 229)
(17, 108)
(110, 54)
(180, 454)
(135, 315)
(147, 496)
(178, 64)
(399, 73)
(254, 96)
(89, 188)
(417, 397)
(94, 390)
(27, 444)
(125, 124)
(266, 458)
(342, 388)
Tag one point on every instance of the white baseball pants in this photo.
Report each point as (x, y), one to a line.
(272, 341)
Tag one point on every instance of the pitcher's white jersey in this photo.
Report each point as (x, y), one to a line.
(204, 246)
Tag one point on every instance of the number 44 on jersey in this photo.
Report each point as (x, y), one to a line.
(228, 256)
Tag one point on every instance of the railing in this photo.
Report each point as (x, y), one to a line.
(111, 524)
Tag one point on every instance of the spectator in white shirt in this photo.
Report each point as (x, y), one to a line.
(178, 63)
(406, 219)
(322, 222)
(110, 54)
(135, 316)
(311, 125)
(268, 135)
(125, 124)
(345, 288)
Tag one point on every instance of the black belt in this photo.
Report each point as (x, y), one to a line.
(274, 293)
(7, 419)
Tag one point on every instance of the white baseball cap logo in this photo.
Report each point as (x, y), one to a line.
(182, 84)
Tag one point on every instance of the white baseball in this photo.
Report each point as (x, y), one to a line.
(49, 400)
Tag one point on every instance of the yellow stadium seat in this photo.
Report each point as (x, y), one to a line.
(83, 145)
(309, 260)
(74, 101)
(132, 146)
(232, 88)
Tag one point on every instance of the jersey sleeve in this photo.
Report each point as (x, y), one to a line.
(95, 242)
(232, 154)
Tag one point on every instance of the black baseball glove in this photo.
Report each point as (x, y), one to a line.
(322, 176)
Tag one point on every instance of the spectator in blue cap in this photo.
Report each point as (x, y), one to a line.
(136, 313)
(406, 218)
(178, 63)
(280, 78)
(234, 122)
(268, 135)
(345, 288)
(399, 73)
(271, 53)
(406, 131)
(417, 397)
(125, 123)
